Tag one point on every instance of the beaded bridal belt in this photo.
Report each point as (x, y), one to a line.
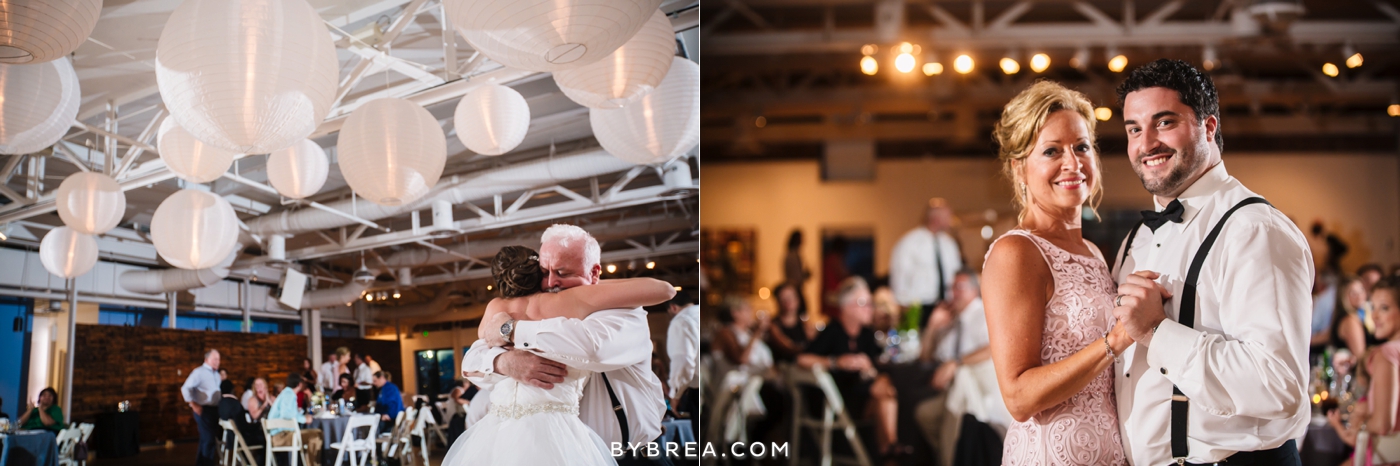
(517, 411)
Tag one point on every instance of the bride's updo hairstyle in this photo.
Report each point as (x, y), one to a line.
(1020, 124)
(517, 272)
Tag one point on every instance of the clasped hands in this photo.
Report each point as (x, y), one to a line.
(1138, 308)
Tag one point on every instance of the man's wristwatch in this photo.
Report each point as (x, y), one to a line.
(507, 330)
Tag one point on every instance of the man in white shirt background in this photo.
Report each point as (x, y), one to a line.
(327, 375)
(364, 378)
(924, 261)
(957, 338)
(683, 347)
(1241, 363)
(615, 344)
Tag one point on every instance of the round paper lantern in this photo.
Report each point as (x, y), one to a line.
(626, 74)
(548, 35)
(38, 31)
(67, 253)
(194, 229)
(660, 126)
(298, 171)
(392, 151)
(251, 76)
(38, 103)
(492, 119)
(190, 158)
(90, 203)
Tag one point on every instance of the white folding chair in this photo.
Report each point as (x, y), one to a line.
(387, 442)
(296, 449)
(349, 443)
(834, 417)
(402, 445)
(423, 427)
(67, 442)
(239, 453)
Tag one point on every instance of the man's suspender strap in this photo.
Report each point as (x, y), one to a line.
(1187, 317)
(1128, 246)
(617, 409)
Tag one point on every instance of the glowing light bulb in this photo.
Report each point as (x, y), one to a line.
(396, 294)
(760, 122)
(651, 265)
(1118, 63)
(764, 293)
(931, 69)
(1040, 62)
(1393, 110)
(1330, 69)
(868, 65)
(904, 63)
(1354, 60)
(1010, 66)
(612, 268)
(1103, 113)
(963, 64)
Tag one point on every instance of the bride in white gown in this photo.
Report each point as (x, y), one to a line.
(528, 425)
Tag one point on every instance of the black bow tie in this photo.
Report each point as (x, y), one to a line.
(1154, 219)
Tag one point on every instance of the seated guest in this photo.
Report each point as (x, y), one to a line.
(1379, 413)
(256, 400)
(740, 353)
(390, 401)
(346, 390)
(847, 348)
(1353, 326)
(957, 335)
(285, 407)
(308, 373)
(229, 409)
(46, 415)
(789, 334)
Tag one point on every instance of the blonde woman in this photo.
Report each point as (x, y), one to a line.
(1048, 292)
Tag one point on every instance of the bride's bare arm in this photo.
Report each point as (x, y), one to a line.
(580, 301)
(1017, 285)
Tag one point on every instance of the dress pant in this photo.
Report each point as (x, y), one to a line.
(690, 406)
(209, 431)
(939, 426)
(640, 458)
(1284, 455)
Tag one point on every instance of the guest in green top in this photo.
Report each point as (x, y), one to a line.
(47, 415)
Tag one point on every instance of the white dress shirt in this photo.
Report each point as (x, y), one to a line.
(968, 337)
(364, 377)
(202, 386)
(912, 263)
(328, 375)
(1244, 364)
(374, 366)
(683, 347)
(616, 342)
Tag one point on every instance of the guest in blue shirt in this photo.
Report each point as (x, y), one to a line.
(390, 401)
(285, 407)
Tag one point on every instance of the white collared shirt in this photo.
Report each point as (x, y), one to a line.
(1244, 364)
(683, 347)
(364, 377)
(912, 263)
(202, 386)
(328, 374)
(616, 342)
(969, 337)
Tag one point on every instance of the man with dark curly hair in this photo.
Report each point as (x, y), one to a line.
(1214, 290)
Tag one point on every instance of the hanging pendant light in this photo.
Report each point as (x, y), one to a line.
(67, 253)
(658, 127)
(39, 104)
(90, 203)
(298, 171)
(626, 74)
(40, 31)
(548, 35)
(194, 229)
(492, 119)
(249, 76)
(392, 151)
(188, 157)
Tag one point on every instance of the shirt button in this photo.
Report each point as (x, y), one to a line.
(1159, 245)
(1164, 371)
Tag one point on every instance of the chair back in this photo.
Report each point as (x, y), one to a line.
(87, 431)
(67, 439)
(828, 386)
(270, 424)
(358, 422)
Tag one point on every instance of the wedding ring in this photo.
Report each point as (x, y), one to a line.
(1118, 301)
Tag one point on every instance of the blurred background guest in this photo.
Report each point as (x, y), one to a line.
(957, 340)
(683, 351)
(795, 273)
(789, 333)
(924, 260)
(45, 415)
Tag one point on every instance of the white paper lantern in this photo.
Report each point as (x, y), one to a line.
(90, 203)
(251, 76)
(38, 31)
(190, 158)
(38, 104)
(492, 119)
(391, 151)
(67, 253)
(548, 35)
(660, 126)
(626, 74)
(298, 171)
(194, 229)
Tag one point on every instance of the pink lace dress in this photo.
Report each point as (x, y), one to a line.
(1083, 430)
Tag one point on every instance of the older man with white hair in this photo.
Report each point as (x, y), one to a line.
(623, 400)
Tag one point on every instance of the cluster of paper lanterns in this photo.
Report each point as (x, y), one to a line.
(662, 125)
(626, 74)
(89, 204)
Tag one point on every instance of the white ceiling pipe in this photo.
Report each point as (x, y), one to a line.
(166, 280)
(333, 296)
(445, 299)
(462, 188)
(483, 250)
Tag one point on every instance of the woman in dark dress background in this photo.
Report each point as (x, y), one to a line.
(789, 333)
(231, 410)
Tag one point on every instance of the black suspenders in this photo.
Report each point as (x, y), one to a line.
(617, 409)
(1187, 317)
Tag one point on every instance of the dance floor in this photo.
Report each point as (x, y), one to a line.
(183, 455)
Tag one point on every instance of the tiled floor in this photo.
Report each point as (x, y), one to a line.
(183, 454)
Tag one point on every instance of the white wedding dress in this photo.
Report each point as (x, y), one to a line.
(528, 425)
